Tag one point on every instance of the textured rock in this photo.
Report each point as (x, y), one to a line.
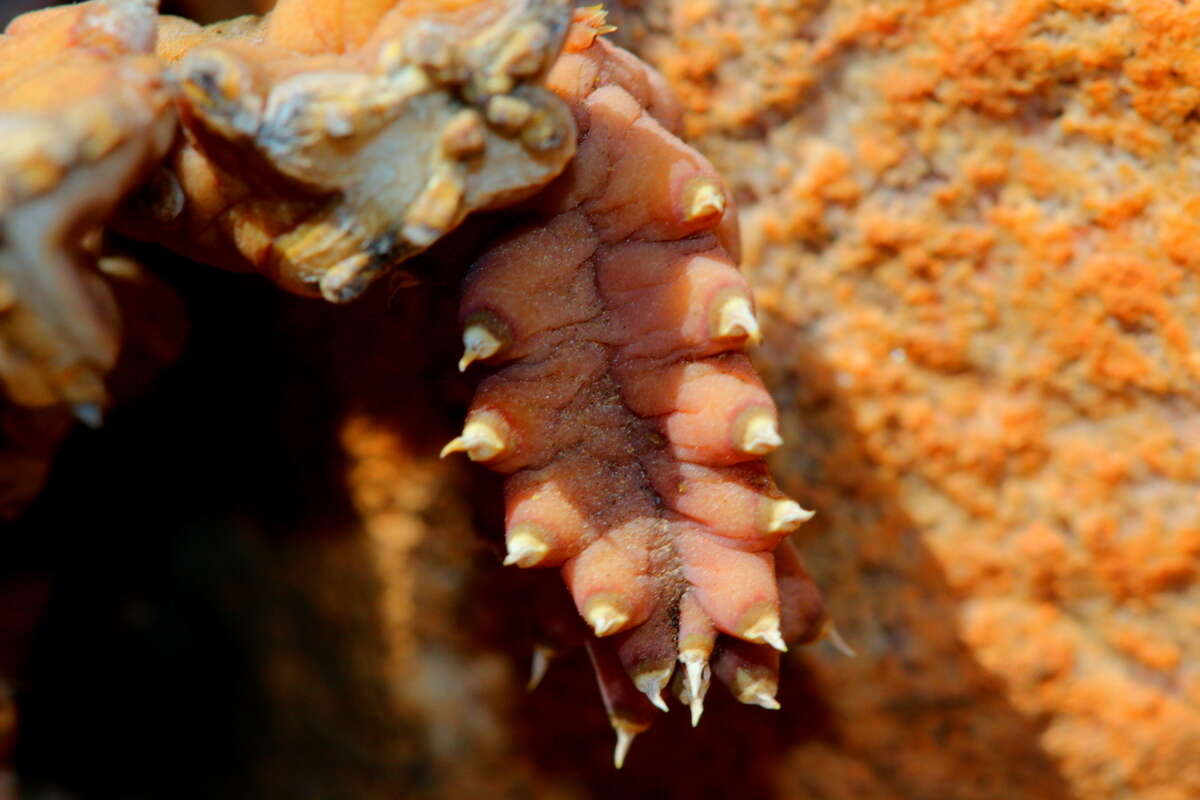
(970, 229)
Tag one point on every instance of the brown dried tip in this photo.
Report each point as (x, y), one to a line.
(323, 162)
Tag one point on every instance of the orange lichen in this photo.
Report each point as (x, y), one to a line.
(990, 355)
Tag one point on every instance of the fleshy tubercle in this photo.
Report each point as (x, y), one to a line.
(630, 423)
(84, 116)
(326, 143)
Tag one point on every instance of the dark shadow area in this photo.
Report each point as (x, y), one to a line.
(183, 652)
(10, 9)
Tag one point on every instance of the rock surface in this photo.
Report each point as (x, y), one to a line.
(971, 230)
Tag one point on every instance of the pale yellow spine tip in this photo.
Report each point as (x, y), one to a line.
(704, 200)
(766, 631)
(755, 690)
(626, 731)
(764, 699)
(479, 440)
(694, 663)
(435, 209)
(339, 284)
(651, 684)
(525, 549)
(760, 435)
(787, 515)
(478, 343)
(697, 709)
(839, 644)
(696, 666)
(597, 17)
(775, 639)
(540, 665)
(605, 618)
(735, 318)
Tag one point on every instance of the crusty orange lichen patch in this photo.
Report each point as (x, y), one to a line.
(321, 156)
(998, 333)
